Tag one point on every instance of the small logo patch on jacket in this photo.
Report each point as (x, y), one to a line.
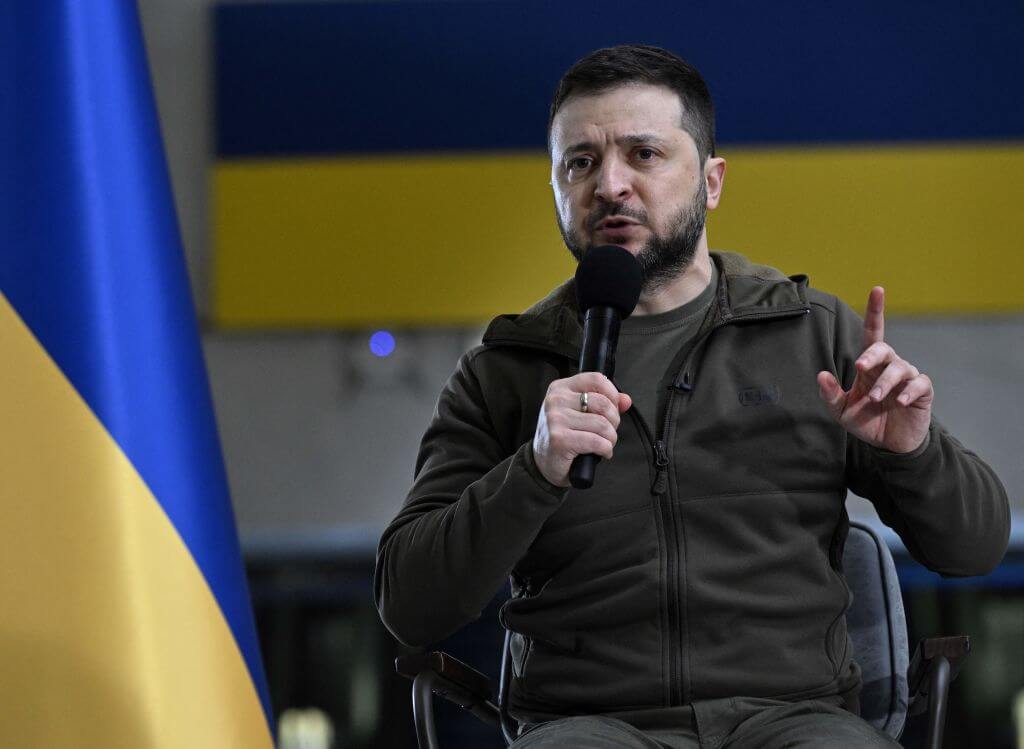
(759, 395)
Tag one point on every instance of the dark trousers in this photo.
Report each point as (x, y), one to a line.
(735, 723)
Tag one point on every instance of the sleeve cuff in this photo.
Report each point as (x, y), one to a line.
(917, 452)
(538, 477)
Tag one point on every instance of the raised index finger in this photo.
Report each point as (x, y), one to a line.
(874, 317)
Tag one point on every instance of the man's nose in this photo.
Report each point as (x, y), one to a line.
(613, 181)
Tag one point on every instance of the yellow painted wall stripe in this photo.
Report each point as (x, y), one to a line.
(940, 227)
(110, 636)
(399, 239)
(459, 238)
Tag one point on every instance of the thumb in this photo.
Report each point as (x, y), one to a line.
(831, 393)
(625, 402)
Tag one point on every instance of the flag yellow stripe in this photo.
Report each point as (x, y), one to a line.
(457, 238)
(109, 633)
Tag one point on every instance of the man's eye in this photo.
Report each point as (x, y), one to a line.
(579, 163)
(645, 154)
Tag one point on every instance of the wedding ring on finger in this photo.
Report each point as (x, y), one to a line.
(585, 402)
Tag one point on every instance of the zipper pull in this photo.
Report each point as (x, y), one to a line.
(661, 464)
(684, 385)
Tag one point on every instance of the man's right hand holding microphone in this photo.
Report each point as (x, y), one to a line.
(579, 415)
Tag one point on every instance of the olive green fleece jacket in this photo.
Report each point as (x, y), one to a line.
(706, 561)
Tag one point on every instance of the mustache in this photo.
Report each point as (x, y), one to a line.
(615, 209)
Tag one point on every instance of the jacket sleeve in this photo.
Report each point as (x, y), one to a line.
(471, 515)
(947, 505)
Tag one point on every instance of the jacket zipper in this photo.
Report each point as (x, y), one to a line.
(668, 519)
(660, 488)
(682, 383)
(673, 538)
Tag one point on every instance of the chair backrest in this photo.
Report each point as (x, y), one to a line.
(876, 625)
(877, 628)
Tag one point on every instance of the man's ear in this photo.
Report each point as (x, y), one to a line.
(714, 180)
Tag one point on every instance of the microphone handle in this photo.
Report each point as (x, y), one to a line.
(600, 337)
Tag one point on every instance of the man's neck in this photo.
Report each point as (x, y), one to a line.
(683, 288)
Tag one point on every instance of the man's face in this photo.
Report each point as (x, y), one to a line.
(624, 172)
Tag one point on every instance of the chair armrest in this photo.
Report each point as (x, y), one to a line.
(935, 664)
(954, 649)
(452, 679)
(451, 669)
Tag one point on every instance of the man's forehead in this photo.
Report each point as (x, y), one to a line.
(623, 110)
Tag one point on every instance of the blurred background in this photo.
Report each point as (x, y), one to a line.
(361, 186)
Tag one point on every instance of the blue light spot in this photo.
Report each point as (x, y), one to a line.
(382, 343)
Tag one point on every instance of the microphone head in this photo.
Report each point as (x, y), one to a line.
(608, 276)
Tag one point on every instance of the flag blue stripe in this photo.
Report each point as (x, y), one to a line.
(343, 77)
(92, 262)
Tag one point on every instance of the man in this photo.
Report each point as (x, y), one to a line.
(694, 596)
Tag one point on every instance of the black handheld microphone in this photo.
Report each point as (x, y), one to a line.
(608, 281)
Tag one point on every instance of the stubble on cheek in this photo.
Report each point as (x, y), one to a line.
(571, 236)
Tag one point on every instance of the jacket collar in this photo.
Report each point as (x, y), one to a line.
(745, 291)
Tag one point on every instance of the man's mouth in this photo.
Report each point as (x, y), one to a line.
(615, 222)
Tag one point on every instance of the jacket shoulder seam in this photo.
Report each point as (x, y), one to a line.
(815, 303)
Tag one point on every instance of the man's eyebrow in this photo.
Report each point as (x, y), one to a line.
(642, 139)
(634, 139)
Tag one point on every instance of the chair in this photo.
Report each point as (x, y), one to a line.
(892, 686)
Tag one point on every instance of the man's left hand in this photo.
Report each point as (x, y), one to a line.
(890, 403)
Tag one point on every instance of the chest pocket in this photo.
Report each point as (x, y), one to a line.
(754, 420)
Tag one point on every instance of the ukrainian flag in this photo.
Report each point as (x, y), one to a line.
(124, 615)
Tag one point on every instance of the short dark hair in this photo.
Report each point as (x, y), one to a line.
(607, 68)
